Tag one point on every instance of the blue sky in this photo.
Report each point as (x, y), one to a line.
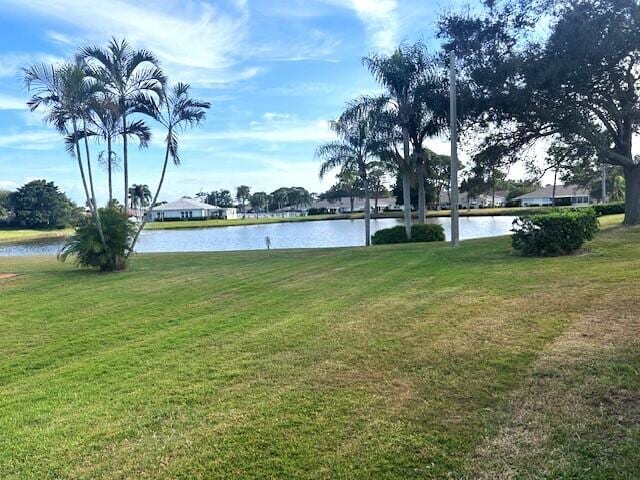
(275, 72)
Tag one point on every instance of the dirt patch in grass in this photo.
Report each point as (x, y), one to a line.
(6, 276)
(575, 398)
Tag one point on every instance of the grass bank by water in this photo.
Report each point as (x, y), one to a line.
(25, 235)
(400, 361)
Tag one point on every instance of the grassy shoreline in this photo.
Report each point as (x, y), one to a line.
(27, 235)
(399, 361)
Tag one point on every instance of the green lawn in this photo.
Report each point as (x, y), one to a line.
(405, 361)
(11, 235)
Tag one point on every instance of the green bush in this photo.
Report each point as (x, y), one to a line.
(88, 250)
(317, 211)
(609, 208)
(556, 233)
(428, 232)
(389, 235)
(419, 233)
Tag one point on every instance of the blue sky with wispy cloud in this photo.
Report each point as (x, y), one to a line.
(275, 72)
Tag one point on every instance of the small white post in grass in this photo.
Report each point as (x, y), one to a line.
(453, 196)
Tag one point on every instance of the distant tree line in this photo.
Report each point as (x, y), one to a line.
(295, 198)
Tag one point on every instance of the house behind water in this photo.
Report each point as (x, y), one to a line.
(343, 205)
(186, 208)
(565, 195)
(483, 200)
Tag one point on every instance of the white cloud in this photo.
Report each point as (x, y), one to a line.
(266, 174)
(8, 185)
(274, 128)
(12, 63)
(380, 18)
(200, 42)
(30, 140)
(12, 103)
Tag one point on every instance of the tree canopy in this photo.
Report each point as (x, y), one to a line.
(578, 84)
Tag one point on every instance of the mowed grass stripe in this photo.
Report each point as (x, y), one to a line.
(390, 362)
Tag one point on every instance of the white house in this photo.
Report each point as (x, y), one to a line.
(565, 195)
(484, 200)
(343, 205)
(186, 208)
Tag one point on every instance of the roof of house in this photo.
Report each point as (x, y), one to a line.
(186, 203)
(561, 191)
(358, 203)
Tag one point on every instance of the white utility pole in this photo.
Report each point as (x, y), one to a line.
(604, 183)
(453, 196)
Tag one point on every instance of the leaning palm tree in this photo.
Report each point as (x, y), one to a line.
(127, 74)
(356, 148)
(176, 111)
(400, 74)
(64, 92)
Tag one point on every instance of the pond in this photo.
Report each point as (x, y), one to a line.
(314, 234)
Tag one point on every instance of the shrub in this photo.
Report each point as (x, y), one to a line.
(419, 233)
(556, 233)
(389, 235)
(427, 232)
(609, 208)
(86, 247)
(317, 211)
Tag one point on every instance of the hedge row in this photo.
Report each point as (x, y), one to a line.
(419, 233)
(609, 208)
(556, 233)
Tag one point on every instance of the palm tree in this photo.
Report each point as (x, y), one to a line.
(377, 176)
(401, 74)
(176, 111)
(259, 201)
(357, 145)
(64, 92)
(429, 109)
(127, 74)
(140, 197)
(106, 123)
(243, 195)
(281, 198)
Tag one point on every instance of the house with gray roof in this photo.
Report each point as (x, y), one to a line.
(186, 208)
(565, 195)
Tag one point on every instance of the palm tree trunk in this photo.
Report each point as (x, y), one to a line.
(153, 203)
(422, 208)
(376, 194)
(94, 210)
(367, 212)
(109, 169)
(86, 149)
(406, 184)
(125, 161)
